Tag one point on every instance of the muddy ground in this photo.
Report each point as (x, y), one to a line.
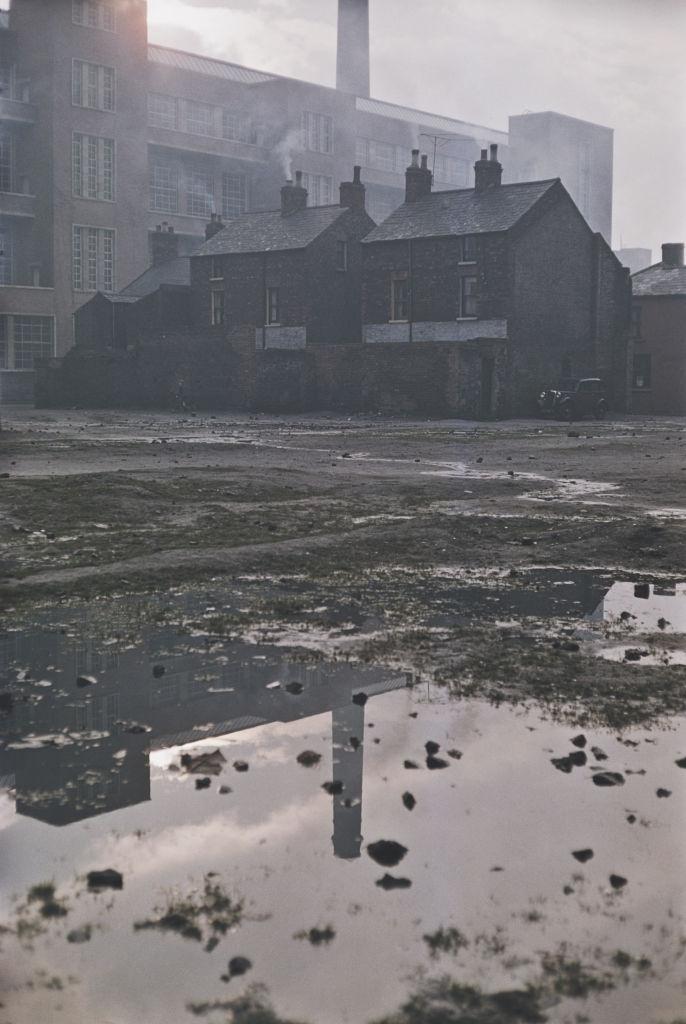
(362, 513)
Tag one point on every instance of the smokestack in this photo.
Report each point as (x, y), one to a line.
(488, 174)
(353, 193)
(214, 225)
(673, 254)
(352, 66)
(418, 179)
(293, 197)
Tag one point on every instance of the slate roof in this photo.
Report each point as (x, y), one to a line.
(659, 280)
(176, 271)
(271, 232)
(462, 212)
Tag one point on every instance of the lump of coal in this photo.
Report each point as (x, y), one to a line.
(582, 855)
(434, 763)
(210, 763)
(203, 783)
(563, 764)
(642, 590)
(317, 936)
(238, 966)
(333, 788)
(386, 852)
(79, 935)
(617, 882)
(631, 818)
(241, 766)
(354, 742)
(360, 699)
(608, 779)
(224, 790)
(431, 747)
(107, 879)
(410, 764)
(409, 801)
(308, 758)
(83, 681)
(158, 671)
(388, 882)
(579, 741)
(635, 654)
(681, 763)
(599, 754)
(662, 793)
(294, 688)
(455, 754)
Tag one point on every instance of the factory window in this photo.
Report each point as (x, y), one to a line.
(234, 195)
(163, 111)
(199, 194)
(467, 297)
(6, 163)
(341, 255)
(93, 167)
(362, 152)
(217, 310)
(6, 260)
(273, 306)
(382, 156)
(92, 259)
(317, 132)
(93, 86)
(451, 171)
(164, 189)
(468, 249)
(319, 189)
(94, 14)
(237, 128)
(199, 118)
(400, 297)
(642, 372)
(25, 338)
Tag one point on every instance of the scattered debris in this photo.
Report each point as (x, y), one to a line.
(579, 741)
(317, 936)
(608, 779)
(388, 882)
(582, 855)
(210, 763)
(617, 881)
(386, 852)
(238, 966)
(410, 765)
(434, 763)
(663, 793)
(334, 788)
(107, 879)
(599, 754)
(295, 689)
(308, 758)
(360, 699)
(204, 783)
(241, 766)
(445, 940)
(80, 935)
(83, 681)
(431, 747)
(455, 754)
(409, 801)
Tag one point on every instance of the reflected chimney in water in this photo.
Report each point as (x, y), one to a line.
(348, 724)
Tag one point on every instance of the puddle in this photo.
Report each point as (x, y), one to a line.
(489, 831)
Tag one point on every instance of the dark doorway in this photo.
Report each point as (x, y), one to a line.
(487, 372)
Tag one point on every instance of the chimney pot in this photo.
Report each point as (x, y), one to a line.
(494, 152)
(425, 162)
(164, 244)
(214, 225)
(484, 154)
(418, 179)
(673, 254)
(415, 158)
(357, 171)
(293, 197)
(488, 174)
(353, 193)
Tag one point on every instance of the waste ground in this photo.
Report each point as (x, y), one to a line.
(370, 720)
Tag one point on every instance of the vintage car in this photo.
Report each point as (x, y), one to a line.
(574, 399)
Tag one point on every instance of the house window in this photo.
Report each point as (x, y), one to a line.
(164, 189)
(642, 372)
(341, 255)
(92, 259)
(6, 254)
(236, 128)
(217, 310)
(93, 167)
(636, 321)
(317, 132)
(234, 195)
(6, 163)
(163, 111)
(93, 86)
(400, 298)
(199, 194)
(199, 118)
(273, 306)
(467, 297)
(94, 14)
(216, 271)
(319, 189)
(468, 249)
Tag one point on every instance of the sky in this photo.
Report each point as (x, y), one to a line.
(618, 63)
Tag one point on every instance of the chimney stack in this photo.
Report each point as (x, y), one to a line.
(488, 173)
(353, 193)
(352, 65)
(164, 244)
(418, 179)
(293, 197)
(673, 254)
(214, 225)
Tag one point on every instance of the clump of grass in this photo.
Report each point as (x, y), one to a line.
(445, 940)
(204, 915)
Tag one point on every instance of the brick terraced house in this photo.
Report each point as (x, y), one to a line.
(103, 135)
(516, 262)
(658, 379)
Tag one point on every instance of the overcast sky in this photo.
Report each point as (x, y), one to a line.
(616, 62)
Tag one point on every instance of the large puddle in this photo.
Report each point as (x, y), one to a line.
(176, 759)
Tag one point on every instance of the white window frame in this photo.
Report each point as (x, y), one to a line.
(93, 86)
(319, 187)
(273, 308)
(159, 118)
(161, 191)
(6, 256)
(6, 162)
(317, 132)
(217, 307)
(398, 279)
(192, 195)
(234, 194)
(94, 252)
(9, 341)
(204, 129)
(99, 14)
(463, 297)
(94, 159)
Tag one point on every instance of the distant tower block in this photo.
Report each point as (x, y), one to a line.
(352, 69)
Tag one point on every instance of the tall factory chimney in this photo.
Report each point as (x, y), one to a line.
(352, 69)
